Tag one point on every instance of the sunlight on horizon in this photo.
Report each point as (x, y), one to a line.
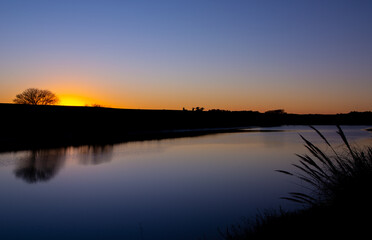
(69, 100)
(305, 57)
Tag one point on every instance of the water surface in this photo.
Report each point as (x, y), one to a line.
(181, 188)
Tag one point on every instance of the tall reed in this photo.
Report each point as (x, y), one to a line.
(341, 178)
(339, 204)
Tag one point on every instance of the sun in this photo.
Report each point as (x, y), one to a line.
(69, 100)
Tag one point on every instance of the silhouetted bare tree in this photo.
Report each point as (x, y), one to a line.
(34, 96)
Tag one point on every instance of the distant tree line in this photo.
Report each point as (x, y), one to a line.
(276, 112)
(270, 112)
(195, 109)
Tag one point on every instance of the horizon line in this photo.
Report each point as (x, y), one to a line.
(190, 110)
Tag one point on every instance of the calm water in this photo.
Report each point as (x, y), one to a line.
(169, 189)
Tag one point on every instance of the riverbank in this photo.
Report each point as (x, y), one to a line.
(26, 127)
(310, 223)
(339, 204)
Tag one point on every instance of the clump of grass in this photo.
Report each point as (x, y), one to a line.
(337, 179)
(339, 205)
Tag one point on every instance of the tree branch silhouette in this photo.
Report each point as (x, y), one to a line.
(34, 96)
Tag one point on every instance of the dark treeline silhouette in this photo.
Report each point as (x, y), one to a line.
(28, 126)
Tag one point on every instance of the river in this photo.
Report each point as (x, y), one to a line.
(183, 188)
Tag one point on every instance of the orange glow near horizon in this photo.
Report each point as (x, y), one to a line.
(72, 100)
(78, 94)
(143, 103)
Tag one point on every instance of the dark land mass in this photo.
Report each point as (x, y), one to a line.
(29, 127)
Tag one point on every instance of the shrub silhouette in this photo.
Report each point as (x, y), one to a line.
(34, 96)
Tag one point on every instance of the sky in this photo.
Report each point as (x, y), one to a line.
(297, 55)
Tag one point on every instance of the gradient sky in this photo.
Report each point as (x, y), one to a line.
(302, 56)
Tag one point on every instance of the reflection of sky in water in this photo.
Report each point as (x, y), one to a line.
(175, 188)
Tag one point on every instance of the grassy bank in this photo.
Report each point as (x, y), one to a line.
(339, 205)
(28, 127)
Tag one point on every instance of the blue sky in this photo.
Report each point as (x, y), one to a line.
(303, 56)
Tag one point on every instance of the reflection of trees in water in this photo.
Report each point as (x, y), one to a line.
(43, 165)
(40, 165)
(95, 154)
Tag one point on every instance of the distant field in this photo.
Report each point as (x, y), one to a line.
(25, 126)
